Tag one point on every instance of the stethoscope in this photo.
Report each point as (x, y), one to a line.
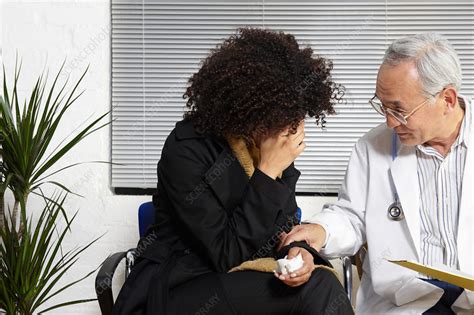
(395, 211)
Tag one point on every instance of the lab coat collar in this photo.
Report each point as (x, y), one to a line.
(465, 235)
(467, 123)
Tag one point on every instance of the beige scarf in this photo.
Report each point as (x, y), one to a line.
(249, 157)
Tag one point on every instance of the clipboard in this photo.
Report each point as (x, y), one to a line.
(442, 273)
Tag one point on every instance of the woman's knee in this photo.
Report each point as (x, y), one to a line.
(325, 278)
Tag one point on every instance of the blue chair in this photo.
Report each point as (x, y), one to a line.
(103, 280)
(146, 216)
(298, 214)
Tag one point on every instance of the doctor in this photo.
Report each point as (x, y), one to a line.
(408, 190)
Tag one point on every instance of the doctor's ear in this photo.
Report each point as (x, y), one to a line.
(450, 97)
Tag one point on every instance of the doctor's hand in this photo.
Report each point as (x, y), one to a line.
(302, 275)
(313, 234)
(279, 151)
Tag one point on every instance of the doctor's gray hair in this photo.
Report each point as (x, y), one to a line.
(435, 59)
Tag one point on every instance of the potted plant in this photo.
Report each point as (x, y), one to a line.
(32, 260)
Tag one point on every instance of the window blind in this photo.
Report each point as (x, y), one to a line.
(158, 45)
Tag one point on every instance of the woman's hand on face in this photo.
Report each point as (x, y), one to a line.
(278, 152)
(302, 275)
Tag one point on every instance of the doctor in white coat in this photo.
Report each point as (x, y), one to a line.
(421, 161)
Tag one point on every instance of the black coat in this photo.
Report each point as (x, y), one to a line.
(210, 217)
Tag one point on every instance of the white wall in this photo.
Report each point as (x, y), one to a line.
(44, 33)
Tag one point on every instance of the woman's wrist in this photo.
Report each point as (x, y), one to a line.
(268, 171)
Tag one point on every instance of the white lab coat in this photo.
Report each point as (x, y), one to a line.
(360, 215)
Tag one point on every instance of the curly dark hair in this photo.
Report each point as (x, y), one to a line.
(260, 81)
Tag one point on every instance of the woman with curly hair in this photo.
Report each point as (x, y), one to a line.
(226, 189)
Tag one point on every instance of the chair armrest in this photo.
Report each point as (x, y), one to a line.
(347, 270)
(103, 282)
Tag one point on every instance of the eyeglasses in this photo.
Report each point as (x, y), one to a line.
(384, 111)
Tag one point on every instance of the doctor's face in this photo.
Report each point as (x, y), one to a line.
(399, 89)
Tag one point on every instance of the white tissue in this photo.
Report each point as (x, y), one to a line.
(289, 265)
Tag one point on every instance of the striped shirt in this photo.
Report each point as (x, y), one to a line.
(440, 183)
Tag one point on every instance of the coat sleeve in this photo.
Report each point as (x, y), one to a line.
(344, 220)
(228, 236)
